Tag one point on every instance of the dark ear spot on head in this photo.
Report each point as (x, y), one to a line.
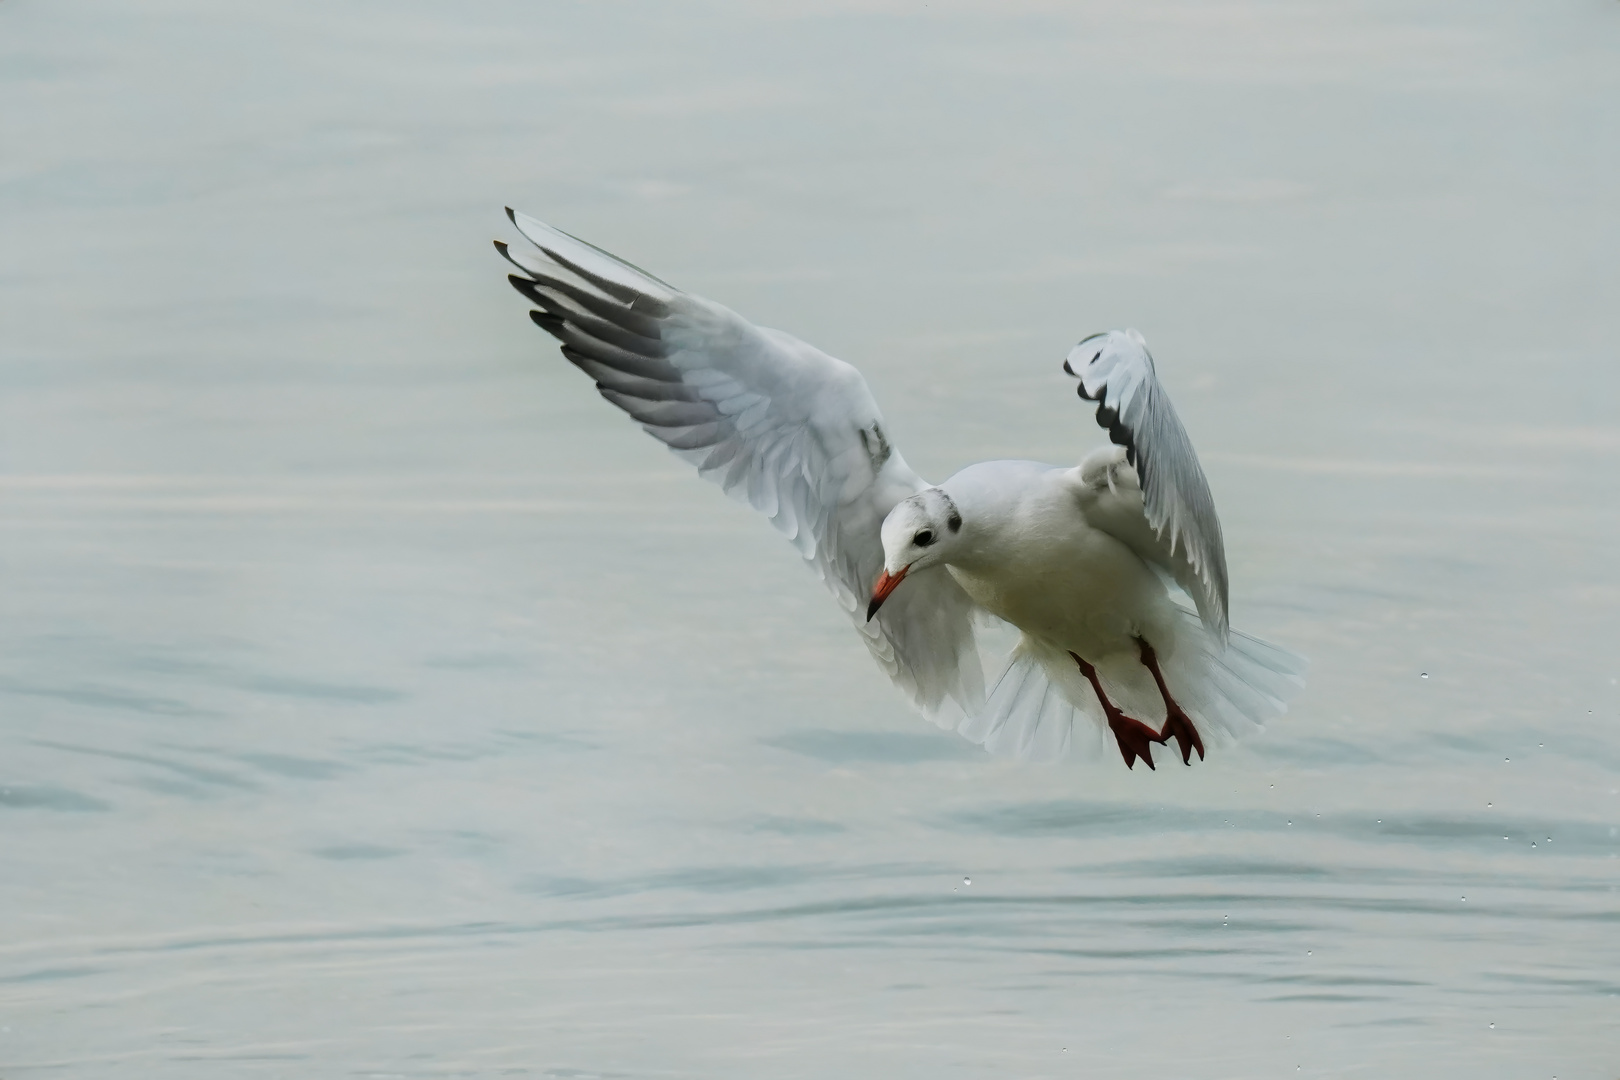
(954, 521)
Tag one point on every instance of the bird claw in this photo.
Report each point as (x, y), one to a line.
(1179, 726)
(1135, 739)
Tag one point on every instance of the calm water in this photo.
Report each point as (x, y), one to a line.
(374, 701)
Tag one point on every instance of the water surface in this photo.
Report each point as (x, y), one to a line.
(375, 701)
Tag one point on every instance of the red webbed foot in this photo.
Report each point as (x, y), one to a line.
(1177, 724)
(1135, 738)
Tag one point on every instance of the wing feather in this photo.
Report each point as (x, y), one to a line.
(1116, 371)
(627, 383)
(774, 422)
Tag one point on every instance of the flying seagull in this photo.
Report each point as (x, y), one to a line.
(1081, 560)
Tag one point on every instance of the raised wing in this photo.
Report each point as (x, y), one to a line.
(1116, 371)
(770, 419)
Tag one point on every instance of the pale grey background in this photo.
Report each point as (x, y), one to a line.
(375, 701)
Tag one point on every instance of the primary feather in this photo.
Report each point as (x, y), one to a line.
(1116, 371)
(773, 421)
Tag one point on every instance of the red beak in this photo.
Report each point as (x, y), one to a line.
(880, 592)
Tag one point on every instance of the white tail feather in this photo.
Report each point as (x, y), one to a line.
(1040, 707)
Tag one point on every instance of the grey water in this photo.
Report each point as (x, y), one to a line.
(375, 701)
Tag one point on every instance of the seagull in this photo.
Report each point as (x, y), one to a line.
(1084, 562)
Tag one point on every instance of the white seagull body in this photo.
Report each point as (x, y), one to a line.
(1078, 559)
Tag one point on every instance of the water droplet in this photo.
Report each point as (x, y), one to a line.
(1465, 899)
(1493, 1027)
(1290, 823)
(1532, 843)
(1507, 759)
(1307, 952)
(1423, 674)
(967, 881)
(1488, 805)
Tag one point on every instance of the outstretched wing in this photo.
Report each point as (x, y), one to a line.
(1116, 371)
(770, 419)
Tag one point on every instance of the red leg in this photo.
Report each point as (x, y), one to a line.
(1134, 737)
(1177, 724)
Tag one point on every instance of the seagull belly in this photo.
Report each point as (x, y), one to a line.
(1077, 589)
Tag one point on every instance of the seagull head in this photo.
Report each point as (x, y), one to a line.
(917, 534)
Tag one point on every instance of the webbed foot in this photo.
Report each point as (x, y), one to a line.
(1135, 738)
(1177, 724)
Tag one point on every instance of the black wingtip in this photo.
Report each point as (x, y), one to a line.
(872, 609)
(502, 247)
(511, 215)
(548, 322)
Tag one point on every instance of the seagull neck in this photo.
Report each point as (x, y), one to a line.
(973, 547)
(993, 497)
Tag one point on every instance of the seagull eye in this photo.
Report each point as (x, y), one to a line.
(924, 538)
